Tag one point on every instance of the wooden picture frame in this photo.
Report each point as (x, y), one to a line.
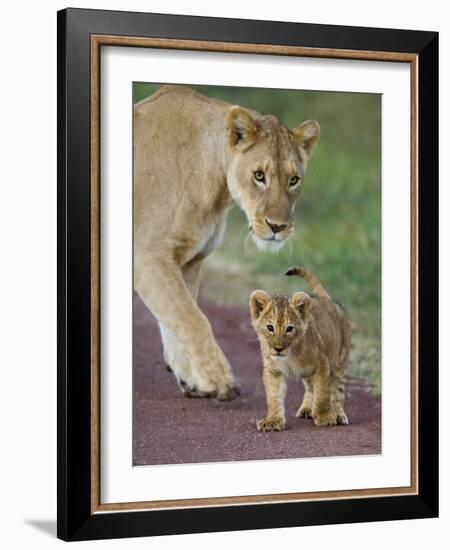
(81, 35)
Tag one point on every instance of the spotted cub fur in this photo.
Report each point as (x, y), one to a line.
(308, 336)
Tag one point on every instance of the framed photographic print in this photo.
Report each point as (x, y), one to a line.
(247, 256)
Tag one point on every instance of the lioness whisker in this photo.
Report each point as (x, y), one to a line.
(246, 241)
(291, 248)
(304, 246)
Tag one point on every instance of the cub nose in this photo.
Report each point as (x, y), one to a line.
(276, 228)
(278, 349)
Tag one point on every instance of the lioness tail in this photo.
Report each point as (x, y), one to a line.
(311, 279)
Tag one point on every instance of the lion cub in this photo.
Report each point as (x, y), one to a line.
(307, 336)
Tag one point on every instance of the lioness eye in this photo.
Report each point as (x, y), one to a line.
(293, 180)
(270, 328)
(289, 328)
(259, 176)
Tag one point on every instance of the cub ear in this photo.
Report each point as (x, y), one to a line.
(302, 303)
(258, 301)
(241, 128)
(307, 135)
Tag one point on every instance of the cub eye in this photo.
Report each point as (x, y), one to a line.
(289, 328)
(293, 180)
(270, 328)
(259, 176)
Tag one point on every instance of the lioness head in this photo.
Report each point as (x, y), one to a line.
(280, 322)
(266, 170)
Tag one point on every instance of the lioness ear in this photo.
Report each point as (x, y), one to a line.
(307, 136)
(302, 303)
(258, 301)
(241, 128)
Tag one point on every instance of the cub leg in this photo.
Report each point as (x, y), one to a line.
(275, 388)
(163, 289)
(322, 412)
(338, 398)
(305, 409)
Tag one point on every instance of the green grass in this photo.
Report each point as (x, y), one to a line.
(338, 217)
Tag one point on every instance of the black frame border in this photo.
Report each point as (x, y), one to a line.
(75, 520)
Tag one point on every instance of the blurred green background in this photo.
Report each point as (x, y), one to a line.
(338, 216)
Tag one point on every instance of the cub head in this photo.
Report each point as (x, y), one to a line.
(267, 164)
(280, 322)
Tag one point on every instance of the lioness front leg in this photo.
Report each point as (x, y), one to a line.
(164, 291)
(175, 355)
(177, 359)
(275, 388)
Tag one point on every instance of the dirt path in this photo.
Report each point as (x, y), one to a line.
(171, 429)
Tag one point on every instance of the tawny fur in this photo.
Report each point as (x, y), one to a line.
(194, 157)
(315, 346)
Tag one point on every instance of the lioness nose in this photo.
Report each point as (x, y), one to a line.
(278, 348)
(276, 228)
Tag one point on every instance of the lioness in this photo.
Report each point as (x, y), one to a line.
(307, 336)
(194, 157)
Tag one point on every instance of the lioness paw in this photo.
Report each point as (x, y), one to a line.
(270, 425)
(194, 392)
(229, 394)
(342, 418)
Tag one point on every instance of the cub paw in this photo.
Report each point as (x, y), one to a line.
(304, 412)
(325, 419)
(270, 425)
